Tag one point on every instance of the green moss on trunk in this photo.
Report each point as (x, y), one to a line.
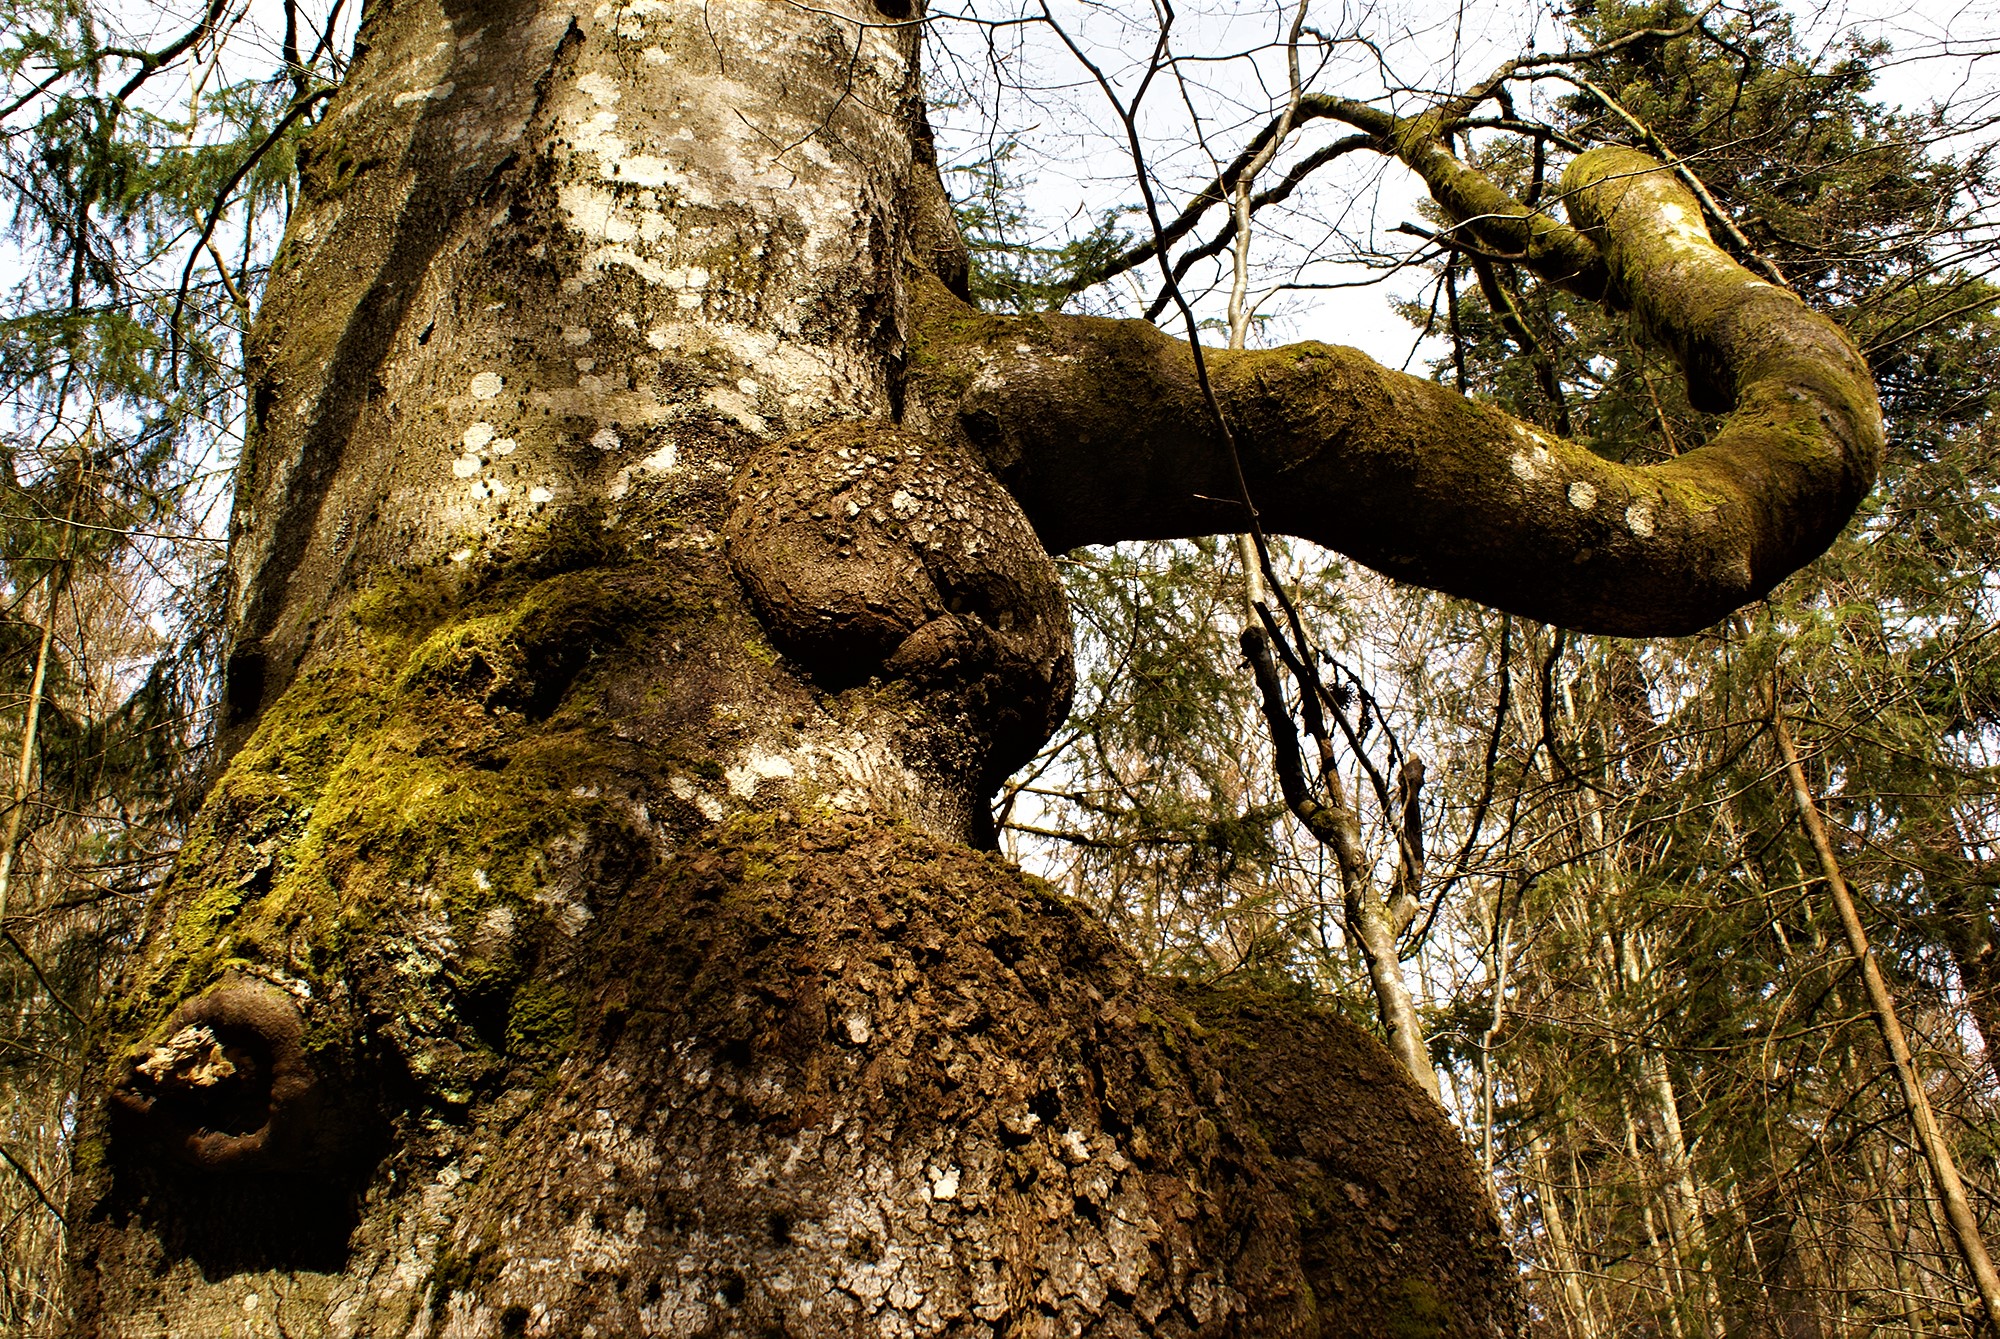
(419, 782)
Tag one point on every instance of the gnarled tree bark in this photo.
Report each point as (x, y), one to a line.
(640, 584)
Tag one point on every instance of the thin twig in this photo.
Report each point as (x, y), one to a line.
(299, 107)
(21, 1170)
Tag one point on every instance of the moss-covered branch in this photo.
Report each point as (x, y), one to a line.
(1099, 429)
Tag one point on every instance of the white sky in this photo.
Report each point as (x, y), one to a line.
(1074, 163)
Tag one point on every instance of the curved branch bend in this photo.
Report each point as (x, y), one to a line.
(1098, 429)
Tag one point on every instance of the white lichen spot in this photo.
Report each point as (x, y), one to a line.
(944, 1183)
(1523, 467)
(1684, 228)
(467, 465)
(747, 386)
(576, 334)
(743, 778)
(684, 788)
(461, 555)
(490, 488)
(251, 1303)
(438, 94)
(539, 495)
(653, 55)
(1639, 519)
(487, 385)
(626, 321)
(600, 87)
(662, 461)
(504, 447)
(1021, 1123)
(1582, 496)
(857, 1029)
(640, 169)
(607, 439)
(570, 917)
(737, 407)
(657, 337)
(478, 435)
(904, 505)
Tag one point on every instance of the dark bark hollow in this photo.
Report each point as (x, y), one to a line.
(625, 904)
(225, 1085)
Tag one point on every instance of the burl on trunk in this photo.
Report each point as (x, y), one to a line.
(640, 583)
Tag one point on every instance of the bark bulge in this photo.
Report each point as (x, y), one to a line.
(871, 552)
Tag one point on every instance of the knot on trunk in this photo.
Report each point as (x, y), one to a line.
(873, 552)
(223, 1084)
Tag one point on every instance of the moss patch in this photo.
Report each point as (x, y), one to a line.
(396, 813)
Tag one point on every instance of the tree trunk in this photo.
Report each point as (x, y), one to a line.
(582, 938)
(1795, 1310)
(1562, 1262)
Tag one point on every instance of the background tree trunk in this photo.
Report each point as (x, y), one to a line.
(581, 940)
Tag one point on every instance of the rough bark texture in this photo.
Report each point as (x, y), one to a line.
(582, 938)
(839, 1079)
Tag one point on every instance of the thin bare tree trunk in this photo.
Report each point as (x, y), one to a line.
(24, 768)
(1683, 1200)
(1563, 1254)
(1930, 1139)
(1896, 1240)
(1497, 974)
(1666, 1258)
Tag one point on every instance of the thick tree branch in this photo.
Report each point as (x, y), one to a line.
(1099, 430)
